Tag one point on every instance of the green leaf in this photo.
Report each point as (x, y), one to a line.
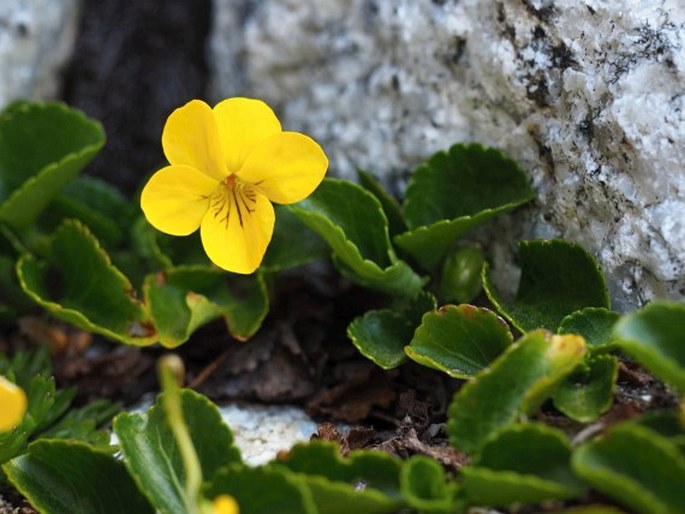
(455, 191)
(24, 365)
(522, 464)
(595, 324)
(353, 224)
(83, 423)
(263, 490)
(391, 207)
(146, 244)
(49, 416)
(184, 298)
(514, 384)
(293, 243)
(589, 391)
(557, 279)
(12, 299)
(460, 280)
(636, 467)
(667, 423)
(153, 458)
(41, 396)
(425, 487)
(67, 477)
(78, 284)
(366, 481)
(459, 340)
(381, 335)
(591, 509)
(42, 147)
(98, 205)
(654, 336)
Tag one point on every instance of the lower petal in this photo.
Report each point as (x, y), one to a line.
(237, 229)
(176, 198)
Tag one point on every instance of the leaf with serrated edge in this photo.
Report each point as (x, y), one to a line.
(262, 490)
(667, 423)
(42, 147)
(654, 336)
(455, 191)
(97, 204)
(64, 477)
(381, 335)
(352, 222)
(557, 279)
(484, 486)
(515, 383)
(459, 340)
(96, 295)
(152, 456)
(636, 467)
(184, 298)
(425, 486)
(335, 481)
(589, 391)
(522, 464)
(391, 207)
(595, 324)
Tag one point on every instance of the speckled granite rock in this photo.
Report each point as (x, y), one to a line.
(261, 431)
(588, 96)
(36, 38)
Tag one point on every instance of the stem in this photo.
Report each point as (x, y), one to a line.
(171, 375)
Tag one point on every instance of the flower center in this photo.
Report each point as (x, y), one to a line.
(233, 199)
(230, 181)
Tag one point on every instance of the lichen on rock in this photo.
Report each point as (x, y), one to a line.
(587, 96)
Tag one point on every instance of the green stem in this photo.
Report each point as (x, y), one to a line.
(170, 374)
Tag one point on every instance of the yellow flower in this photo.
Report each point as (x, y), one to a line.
(227, 165)
(225, 504)
(12, 405)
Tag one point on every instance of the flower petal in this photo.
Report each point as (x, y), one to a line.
(176, 198)
(191, 138)
(225, 504)
(237, 229)
(242, 123)
(13, 401)
(286, 167)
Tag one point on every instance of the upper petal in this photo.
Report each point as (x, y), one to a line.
(176, 198)
(286, 167)
(191, 138)
(236, 230)
(242, 123)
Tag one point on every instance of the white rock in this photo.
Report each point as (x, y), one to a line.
(36, 38)
(588, 96)
(261, 431)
